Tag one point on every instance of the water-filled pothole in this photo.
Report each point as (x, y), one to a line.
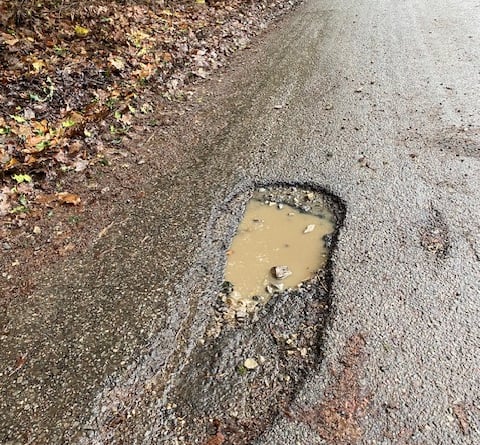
(282, 241)
(276, 247)
(241, 375)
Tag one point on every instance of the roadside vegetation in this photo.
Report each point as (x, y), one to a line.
(73, 77)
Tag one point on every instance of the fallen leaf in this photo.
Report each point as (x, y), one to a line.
(117, 62)
(80, 164)
(10, 164)
(167, 57)
(8, 39)
(17, 118)
(66, 249)
(80, 31)
(38, 65)
(69, 198)
(45, 199)
(22, 178)
(29, 114)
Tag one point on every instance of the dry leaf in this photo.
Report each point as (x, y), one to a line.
(117, 62)
(45, 199)
(69, 198)
(10, 164)
(8, 39)
(38, 65)
(66, 249)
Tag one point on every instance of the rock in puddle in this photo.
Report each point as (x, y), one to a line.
(280, 272)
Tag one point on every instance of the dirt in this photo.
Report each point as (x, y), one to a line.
(337, 418)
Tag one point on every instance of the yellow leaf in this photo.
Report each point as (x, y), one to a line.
(38, 65)
(80, 31)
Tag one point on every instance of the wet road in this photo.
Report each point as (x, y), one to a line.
(378, 103)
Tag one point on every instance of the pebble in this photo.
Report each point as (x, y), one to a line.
(280, 272)
(250, 363)
(309, 228)
(241, 314)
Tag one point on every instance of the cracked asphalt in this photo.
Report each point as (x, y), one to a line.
(377, 102)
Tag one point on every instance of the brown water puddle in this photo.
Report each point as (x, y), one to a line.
(271, 235)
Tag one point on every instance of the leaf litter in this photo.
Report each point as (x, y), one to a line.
(78, 84)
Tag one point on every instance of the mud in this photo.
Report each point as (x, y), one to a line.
(273, 234)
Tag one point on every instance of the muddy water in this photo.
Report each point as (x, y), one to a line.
(274, 235)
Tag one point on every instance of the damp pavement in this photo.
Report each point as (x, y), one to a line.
(378, 104)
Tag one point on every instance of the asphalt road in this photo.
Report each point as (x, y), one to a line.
(377, 102)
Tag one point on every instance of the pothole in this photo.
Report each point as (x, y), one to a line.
(278, 246)
(258, 348)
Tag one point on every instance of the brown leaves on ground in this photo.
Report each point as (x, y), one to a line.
(73, 75)
(337, 418)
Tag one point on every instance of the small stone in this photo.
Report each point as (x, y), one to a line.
(310, 196)
(309, 228)
(280, 206)
(250, 363)
(241, 315)
(37, 230)
(280, 272)
(271, 288)
(328, 240)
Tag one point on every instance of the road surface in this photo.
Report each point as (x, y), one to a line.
(376, 102)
